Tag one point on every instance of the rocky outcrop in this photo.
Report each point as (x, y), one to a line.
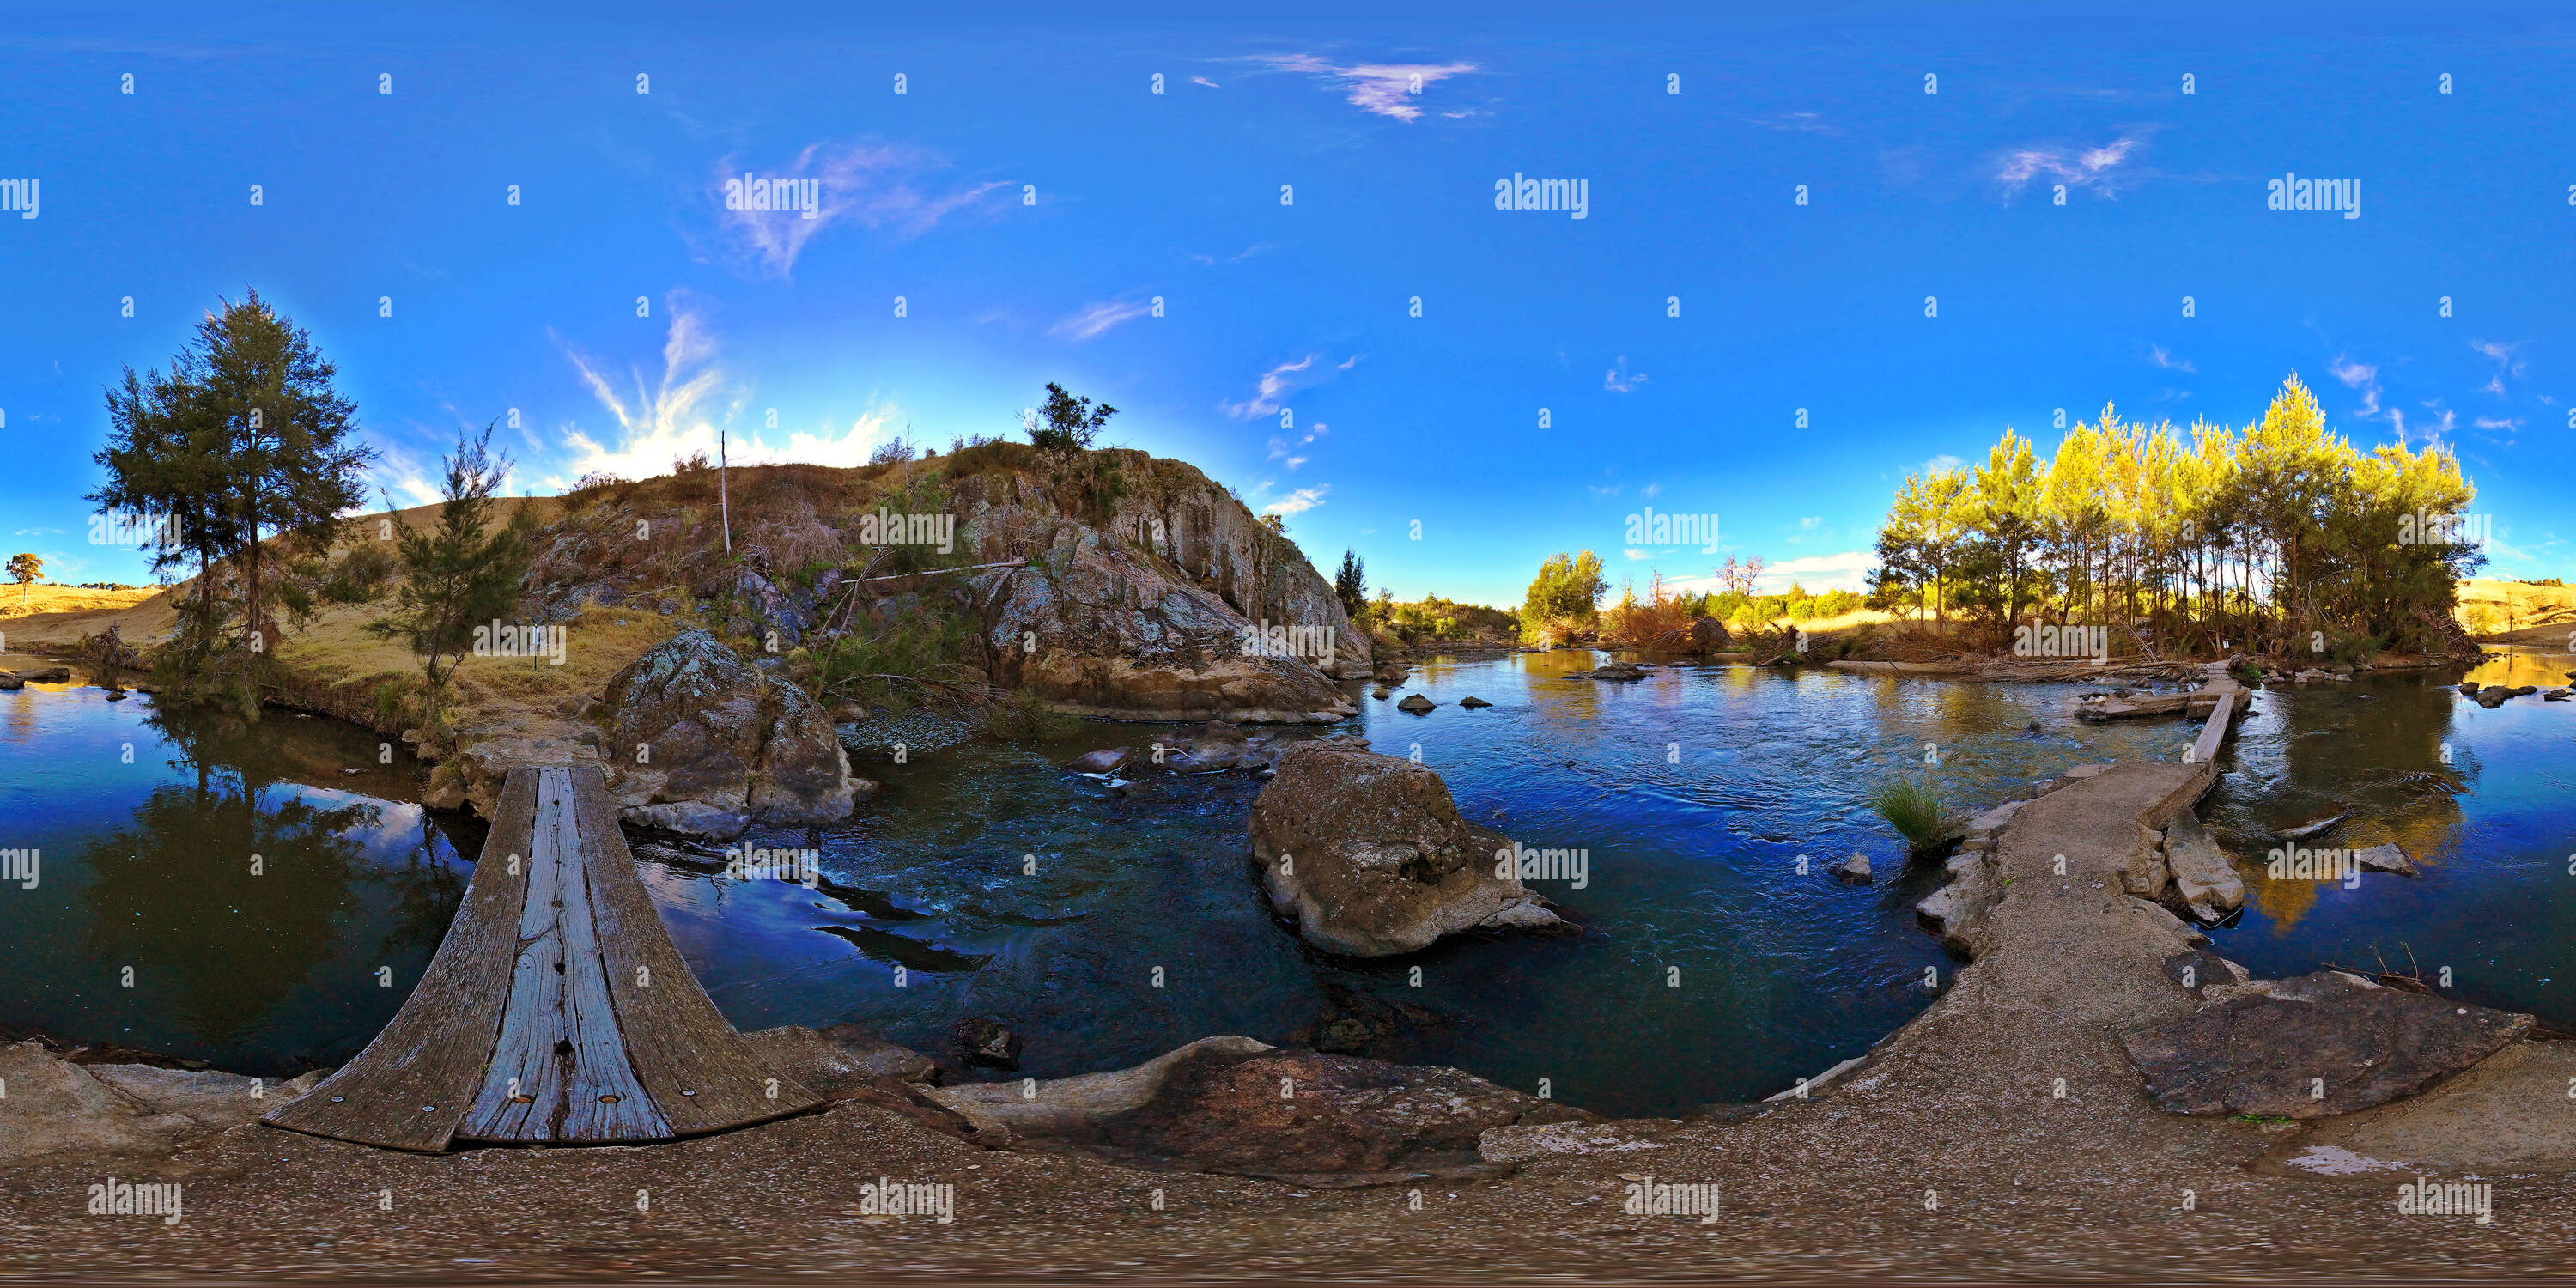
(1341, 1116)
(56, 1106)
(1098, 629)
(828, 1061)
(1218, 1105)
(1166, 515)
(1367, 854)
(2204, 882)
(724, 745)
(2271, 1045)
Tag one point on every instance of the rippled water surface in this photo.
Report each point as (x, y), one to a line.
(1109, 929)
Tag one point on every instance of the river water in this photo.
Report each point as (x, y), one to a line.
(1109, 928)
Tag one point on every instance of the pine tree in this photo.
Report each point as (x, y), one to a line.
(457, 575)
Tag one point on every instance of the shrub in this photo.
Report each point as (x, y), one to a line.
(1915, 808)
(1022, 716)
(360, 575)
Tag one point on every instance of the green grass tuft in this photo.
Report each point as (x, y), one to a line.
(1915, 808)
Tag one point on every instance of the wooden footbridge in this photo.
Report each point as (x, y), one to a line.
(556, 1010)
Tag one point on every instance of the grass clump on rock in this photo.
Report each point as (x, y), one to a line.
(1915, 808)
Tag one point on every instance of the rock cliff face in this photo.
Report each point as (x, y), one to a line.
(1101, 628)
(1166, 515)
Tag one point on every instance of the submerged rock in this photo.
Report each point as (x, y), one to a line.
(1352, 1022)
(1471, 702)
(726, 746)
(2305, 830)
(2257, 1052)
(1416, 703)
(986, 1042)
(1099, 762)
(1367, 854)
(2385, 857)
(1852, 871)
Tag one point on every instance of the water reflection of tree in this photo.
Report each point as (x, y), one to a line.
(173, 896)
(2381, 759)
(424, 894)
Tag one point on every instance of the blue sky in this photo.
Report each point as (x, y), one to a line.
(1029, 197)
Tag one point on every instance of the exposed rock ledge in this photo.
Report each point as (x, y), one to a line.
(1100, 631)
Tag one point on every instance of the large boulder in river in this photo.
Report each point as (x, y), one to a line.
(2262, 1049)
(726, 746)
(1098, 629)
(1367, 854)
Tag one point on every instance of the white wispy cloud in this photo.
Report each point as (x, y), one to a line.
(1297, 502)
(1093, 320)
(1942, 464)
(2163, 357)
(1848, 570)
(2508, 360)
(2359, 376)
(2095, 169)
(693, 401)
(885, 188)
(1618, 381)
(1274, 384)
(1383, 88)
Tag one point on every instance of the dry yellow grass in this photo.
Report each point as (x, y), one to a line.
(334, 647)
(2509, 611)
(29, 600)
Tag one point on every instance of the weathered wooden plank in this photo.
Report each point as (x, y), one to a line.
(414, 1083)
(559, 1070)
(604, 1100)
(701, 1074)
(2204, 749)
(522, 1089)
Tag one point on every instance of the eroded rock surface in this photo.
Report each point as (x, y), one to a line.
(1096, 628)
(2259, 1051)
(1343, 1115)
(1367, 854)
(727, 745)
(2204, 881)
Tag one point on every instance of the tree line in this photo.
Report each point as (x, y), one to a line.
(2273, 537)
